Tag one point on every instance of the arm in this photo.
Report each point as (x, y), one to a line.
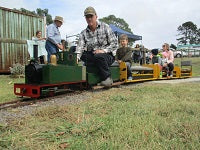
(34, 38)
(112, 41)
(53, 35)
(127, 56)
(171, 57)
(42, 39)
(81, 46)
(117, 56)
(160, 61)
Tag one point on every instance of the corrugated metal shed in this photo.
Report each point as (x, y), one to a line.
(15, 28)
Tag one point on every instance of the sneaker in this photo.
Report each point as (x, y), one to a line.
(108, 82)
(130, 78)
(171, 74)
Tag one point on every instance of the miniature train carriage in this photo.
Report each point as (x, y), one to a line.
(153, 71)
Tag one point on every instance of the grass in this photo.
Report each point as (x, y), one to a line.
(148, 116)
(195, 64)
(7, 87)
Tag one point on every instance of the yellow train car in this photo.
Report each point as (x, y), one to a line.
(149, 72)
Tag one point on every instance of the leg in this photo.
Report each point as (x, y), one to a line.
(166, 69)
(129, 74)
(51, 49)
(171, 68)
(103, 61)
(88, 58)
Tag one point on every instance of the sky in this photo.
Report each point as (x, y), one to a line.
(155, 20)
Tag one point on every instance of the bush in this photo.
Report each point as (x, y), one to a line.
(17, 70)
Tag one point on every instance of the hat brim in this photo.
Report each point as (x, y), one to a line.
(89, 14)
(58, 20)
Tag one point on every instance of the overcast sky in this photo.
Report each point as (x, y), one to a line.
(155, 20)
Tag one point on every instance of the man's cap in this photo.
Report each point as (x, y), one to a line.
(59, 18)
(89, 11)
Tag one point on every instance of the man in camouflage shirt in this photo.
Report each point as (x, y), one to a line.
(97, 46)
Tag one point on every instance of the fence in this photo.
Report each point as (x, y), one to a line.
(15, 28)
(190, 52)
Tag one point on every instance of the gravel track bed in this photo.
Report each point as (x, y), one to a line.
(175, 81)
(7, 115)
(10, 114)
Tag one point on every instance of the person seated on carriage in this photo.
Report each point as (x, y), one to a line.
(97, 46)
(124, 53)
(168, 64)
(156, 59)
(137, 55)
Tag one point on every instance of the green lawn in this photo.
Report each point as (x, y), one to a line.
(7, 87)
(148, 116)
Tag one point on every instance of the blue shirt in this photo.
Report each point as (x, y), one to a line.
(53, 34)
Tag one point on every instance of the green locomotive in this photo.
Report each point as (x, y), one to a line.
(46, 79)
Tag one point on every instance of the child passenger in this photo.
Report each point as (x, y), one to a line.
(169, 64)
(156, 59)
(124, 53)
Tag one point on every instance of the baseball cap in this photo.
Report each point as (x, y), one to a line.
(89, 11)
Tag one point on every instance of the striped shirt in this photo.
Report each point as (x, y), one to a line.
(102, 38)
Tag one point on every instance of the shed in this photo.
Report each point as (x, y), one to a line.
(15, 28)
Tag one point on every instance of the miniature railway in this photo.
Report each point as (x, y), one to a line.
(30, 101)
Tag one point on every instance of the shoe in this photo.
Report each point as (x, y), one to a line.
(130, 78)
(107, 83)
(171, 74)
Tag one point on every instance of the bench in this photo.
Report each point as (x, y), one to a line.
(186, 68)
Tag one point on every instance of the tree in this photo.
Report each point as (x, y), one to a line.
(189, 33)
(39, 12)
(121, 23)
(198, 36)
(44, 12)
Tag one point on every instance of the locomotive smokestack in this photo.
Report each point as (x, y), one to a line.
(35, 52)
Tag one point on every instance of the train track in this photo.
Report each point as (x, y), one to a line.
(30, 101)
